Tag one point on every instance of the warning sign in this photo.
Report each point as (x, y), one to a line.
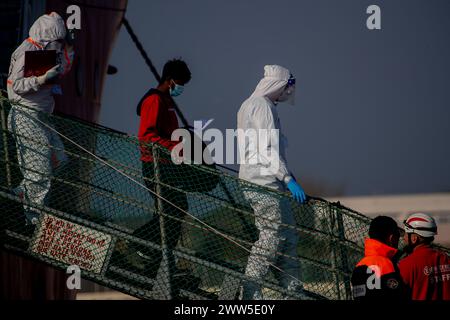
(71, 243)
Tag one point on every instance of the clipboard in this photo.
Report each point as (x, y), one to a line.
(38, 62)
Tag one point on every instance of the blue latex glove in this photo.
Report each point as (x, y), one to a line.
(297, 191)
(56, 90)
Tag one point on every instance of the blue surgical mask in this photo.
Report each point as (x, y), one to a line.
(177, 90)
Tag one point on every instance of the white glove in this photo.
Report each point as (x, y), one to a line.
(49, 75)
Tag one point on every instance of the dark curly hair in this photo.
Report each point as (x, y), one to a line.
(176, 69)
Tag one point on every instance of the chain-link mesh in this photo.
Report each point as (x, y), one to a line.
(157, 230)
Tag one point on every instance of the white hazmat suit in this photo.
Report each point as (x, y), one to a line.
(39, 149)
(259, 112)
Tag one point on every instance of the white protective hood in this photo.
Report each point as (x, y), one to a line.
(48, 28)
(273, 84)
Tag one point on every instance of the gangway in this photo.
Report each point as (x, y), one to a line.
(98, 204)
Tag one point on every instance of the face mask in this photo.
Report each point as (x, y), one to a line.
(287, 95)
(54, 45)
(177, 90)
(57, 46)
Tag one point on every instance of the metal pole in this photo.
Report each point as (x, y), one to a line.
(163, 284)
(343, 254)
(5, 144)
(334, 253)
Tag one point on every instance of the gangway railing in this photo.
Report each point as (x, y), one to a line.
(103, 215)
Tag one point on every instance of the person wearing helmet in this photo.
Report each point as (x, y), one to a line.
(376, 276)
(425, 271)
(258, 116)
(39, 149)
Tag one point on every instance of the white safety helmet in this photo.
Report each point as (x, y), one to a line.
(421, 224)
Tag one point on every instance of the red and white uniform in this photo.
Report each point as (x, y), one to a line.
(426, 273)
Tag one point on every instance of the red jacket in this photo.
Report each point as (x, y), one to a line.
(158, 121)
(426, 272)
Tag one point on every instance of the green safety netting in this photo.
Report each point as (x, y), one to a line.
(155, 230)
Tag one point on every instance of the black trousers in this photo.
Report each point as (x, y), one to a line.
(172, 217)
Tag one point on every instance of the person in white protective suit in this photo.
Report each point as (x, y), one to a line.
(39, 149)
(263, 161)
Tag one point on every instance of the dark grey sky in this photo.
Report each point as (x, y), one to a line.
(372, 109)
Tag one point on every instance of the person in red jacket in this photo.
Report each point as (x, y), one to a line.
(426, 271)
(158, 121)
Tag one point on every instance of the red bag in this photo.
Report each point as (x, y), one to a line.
(39, 62)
